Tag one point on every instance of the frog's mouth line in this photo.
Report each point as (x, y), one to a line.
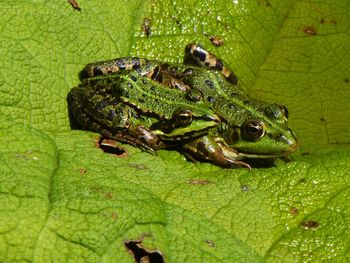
(246, 155)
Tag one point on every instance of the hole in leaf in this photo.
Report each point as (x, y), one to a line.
(310, 224)
(261, 163)
(110, 146)
(143, 255)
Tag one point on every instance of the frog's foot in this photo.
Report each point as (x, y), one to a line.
(196, 55)
(139, 136)
(205, 148)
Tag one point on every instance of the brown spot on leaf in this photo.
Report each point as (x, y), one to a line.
(82, 171)
(328, 21)
(146, 26)
(244, 188)
(74, 4)
(141, 254)
(198, 182)
(114, 215)
(217, 41)
(263, 3)
(109, 195)
(310, 224)
(294, 211)
(310, 30)
(302, 181)
(209, 242)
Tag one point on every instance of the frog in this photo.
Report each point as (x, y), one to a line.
(245, 128)
(122, 107)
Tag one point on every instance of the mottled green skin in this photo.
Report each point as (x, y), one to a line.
(109, 103)
(139, 101)
(235, 109)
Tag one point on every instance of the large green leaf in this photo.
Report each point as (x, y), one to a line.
(63, 199)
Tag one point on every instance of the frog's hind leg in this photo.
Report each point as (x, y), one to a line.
(143, 66)
(98, 111)
(195, 54)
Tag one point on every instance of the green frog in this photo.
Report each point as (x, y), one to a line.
(197, 107)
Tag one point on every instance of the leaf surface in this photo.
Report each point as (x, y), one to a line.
(64, 199)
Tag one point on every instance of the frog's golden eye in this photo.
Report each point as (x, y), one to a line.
(183, 117)
(277, 111)
(253, 130)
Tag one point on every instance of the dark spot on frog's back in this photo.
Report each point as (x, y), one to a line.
(111, 115)
(210, 99)
(133, 78)
(232, 107)
(209, 83)
(102, 104)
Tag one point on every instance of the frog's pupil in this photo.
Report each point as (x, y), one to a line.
(97, 71)
(254, 130)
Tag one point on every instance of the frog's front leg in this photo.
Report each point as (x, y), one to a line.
(196, 55)
(142, 66)
(206, 148)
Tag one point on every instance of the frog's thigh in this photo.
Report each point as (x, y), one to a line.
(207, 149)
(141, 65)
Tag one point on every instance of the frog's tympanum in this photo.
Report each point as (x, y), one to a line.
(197, 107)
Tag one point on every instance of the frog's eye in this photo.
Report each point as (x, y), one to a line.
(183, 117)
(253, 130)
(276, 111)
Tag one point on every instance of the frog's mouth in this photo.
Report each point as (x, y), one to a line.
(250, 155)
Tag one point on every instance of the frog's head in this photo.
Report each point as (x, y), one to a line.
(263, 134)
